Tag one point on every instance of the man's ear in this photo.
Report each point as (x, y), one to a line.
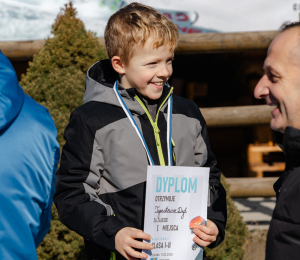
(117, 64)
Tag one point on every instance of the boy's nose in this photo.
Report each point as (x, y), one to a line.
(164, 72)
(262, 88)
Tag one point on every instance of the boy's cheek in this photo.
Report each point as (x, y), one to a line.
(171, 73)
(146, 79)
(170, 69)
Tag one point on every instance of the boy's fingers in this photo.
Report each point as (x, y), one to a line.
(205, 229)
(201, 242)
(212, 231)
(136, 233)
(140, 245)
(203, 236)
(135, 254)
(213, 227)
(129, 257)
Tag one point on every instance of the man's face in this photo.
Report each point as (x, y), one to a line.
(148, 70)
(280, 85)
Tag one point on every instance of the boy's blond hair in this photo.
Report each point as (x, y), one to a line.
(135, 24)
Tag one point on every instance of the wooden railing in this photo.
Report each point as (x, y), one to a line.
(188, 43)
(252, 187)
(224, 42)
(237, 116)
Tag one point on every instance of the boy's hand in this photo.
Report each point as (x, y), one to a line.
(206, 235)
(125, 243)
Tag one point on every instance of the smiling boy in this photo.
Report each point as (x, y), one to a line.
(122, 127)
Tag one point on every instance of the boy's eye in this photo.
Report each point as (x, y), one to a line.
(151, 64)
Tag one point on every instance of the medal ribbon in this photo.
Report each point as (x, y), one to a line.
(139, 133)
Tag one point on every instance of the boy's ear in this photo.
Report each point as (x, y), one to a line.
(117, 64)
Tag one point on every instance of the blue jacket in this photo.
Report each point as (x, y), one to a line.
(29, 153)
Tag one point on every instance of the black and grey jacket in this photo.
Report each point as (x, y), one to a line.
(100, 185)
(283, 241)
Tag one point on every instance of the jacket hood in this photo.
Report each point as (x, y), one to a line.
(100, 80)
(11, 94)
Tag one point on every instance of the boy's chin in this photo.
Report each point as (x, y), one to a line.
(152, 95)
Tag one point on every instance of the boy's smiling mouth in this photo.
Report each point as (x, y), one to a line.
(157, 84)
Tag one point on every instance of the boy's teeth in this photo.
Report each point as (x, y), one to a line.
(157, 83)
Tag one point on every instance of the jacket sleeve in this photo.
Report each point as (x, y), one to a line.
(45, 217)
(217, 211)
(76, 198)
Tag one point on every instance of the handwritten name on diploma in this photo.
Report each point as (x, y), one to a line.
(179, 210)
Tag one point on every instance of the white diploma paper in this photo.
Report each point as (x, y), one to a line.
(175, 196)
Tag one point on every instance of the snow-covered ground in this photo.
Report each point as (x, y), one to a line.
(32, 19)
(256, 211)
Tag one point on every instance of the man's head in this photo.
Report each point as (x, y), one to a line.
(280, 85)
(140, 43)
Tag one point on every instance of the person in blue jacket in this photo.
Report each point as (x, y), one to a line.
(29, 153)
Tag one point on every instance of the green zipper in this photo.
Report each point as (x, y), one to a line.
(112, 256)
(155, 127)
(173, 143)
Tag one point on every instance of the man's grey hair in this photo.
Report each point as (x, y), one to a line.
(288, 25)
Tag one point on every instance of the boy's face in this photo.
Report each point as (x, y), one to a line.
(148, 70)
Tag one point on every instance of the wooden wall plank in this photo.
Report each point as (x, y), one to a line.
(188, 43)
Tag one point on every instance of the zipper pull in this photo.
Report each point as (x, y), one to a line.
(156, 133)
(156, 139)
(155, 127)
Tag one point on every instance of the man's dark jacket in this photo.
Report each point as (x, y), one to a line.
(283, 240)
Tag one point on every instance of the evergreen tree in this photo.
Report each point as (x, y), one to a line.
(56, 76)
(232, 248)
